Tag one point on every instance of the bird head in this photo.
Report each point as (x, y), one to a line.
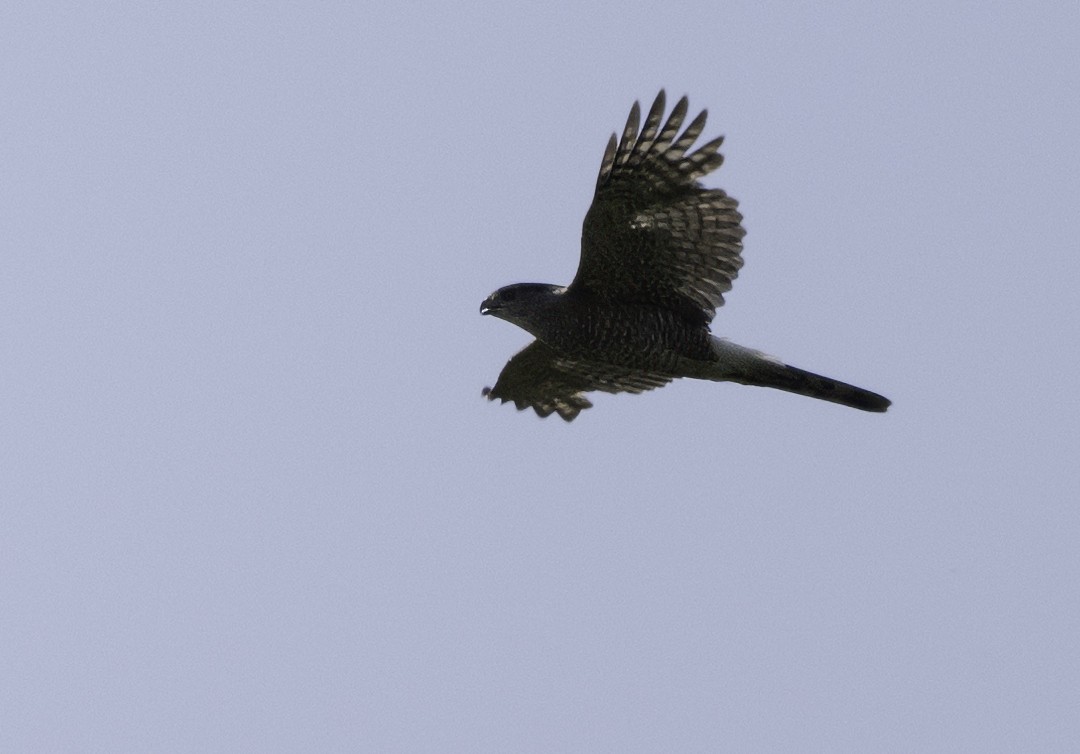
(521, 303)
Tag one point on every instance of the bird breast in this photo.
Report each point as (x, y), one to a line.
(627, 334)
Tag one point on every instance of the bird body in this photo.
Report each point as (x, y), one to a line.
(629, 334)
(659, 250)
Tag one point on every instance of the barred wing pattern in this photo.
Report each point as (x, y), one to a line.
(653, 234)
(540, 377)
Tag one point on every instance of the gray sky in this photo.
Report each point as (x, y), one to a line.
(253, 500)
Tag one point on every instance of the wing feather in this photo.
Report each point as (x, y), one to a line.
(654, 234)
(629, 135)
(550, 382)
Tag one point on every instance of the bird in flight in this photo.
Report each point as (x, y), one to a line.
(658, 252)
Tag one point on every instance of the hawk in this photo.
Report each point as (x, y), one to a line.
(658, 252)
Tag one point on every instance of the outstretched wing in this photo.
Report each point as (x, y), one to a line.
(653, 234)
(539, 377)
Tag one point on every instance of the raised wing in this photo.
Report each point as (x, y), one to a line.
(539, 377)
(653, 234)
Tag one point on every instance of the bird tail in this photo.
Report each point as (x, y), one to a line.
(749, 367)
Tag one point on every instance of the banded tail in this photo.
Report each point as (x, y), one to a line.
(749, 367)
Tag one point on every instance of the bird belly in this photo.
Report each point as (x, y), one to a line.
(646, 338)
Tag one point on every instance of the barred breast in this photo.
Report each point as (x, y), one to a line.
(646, 337)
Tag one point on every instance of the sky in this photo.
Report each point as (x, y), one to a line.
(251, 498)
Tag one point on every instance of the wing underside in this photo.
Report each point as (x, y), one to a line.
(549, 382)
(654, 234)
